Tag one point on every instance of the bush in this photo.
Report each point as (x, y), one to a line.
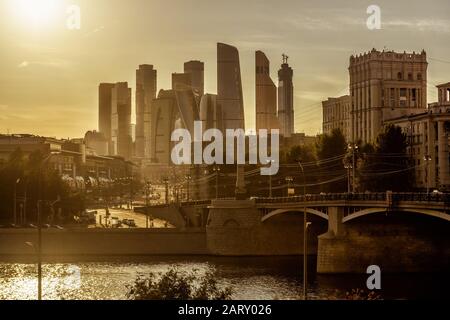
(358, 294)
(176, 285)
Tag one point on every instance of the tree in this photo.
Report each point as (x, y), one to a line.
(26, 174)
(304, 153)
(387, 167)
(176, 285)
(331, 150)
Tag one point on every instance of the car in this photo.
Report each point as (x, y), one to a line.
(131, 223)
(115, 222)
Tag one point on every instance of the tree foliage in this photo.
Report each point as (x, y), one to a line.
(332, 147)
(27, 175)
(177, 285)
(386, 166)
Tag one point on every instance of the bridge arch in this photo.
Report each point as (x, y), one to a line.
(365, 212)
(299, 210)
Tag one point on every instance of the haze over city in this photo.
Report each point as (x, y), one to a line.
(50, 74)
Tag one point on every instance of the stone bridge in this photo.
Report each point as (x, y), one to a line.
(348, 232)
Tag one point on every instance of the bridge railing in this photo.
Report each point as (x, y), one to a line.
(376, 196)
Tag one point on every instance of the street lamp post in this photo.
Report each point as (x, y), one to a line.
(39, 224)
(188, 180)
(39, 249)
(15, 201)
(348, 167)
(427, 160)
(166, 185)
(131, 192)
(289, 180)
(217, 171)
(147, 190)
(353, 148)
(305, 236)
(269, 162)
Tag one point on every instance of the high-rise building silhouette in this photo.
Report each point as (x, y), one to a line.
(286, 99)
(229, 87)
(266, 94)
(197, 71)
(146, 86)
(121, 120)
(210, 113)
(385, 85)
(181, 81)
(165, 115)
(229, 99)
(104, 109)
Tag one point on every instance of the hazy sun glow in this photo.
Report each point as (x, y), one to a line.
(36, 13)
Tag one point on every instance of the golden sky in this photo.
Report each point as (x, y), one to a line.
(49, 74)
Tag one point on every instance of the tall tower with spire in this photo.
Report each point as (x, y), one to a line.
(286, 98)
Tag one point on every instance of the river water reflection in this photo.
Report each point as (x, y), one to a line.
(250, 278)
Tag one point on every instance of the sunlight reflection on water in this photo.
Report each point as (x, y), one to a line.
(250, 279)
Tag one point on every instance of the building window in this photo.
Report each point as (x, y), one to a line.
(410, 76)
(400, 76)
(419, 76)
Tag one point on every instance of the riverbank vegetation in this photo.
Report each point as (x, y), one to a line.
(178, 285)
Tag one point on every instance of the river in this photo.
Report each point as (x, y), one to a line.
(249, 278)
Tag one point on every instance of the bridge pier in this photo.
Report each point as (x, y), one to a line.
(236, 228)
(396, 242)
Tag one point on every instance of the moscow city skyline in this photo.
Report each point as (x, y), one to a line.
(53, 69)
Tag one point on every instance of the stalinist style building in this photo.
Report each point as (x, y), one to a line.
(385, 85)
(286, 99)
(336, 115)
(266, 95)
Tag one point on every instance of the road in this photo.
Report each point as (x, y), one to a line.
(139, 218)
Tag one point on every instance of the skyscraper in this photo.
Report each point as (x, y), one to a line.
(165, 115)
(266, 94)
(121, 120)
(229, 99)
(146, 82)
(196, 70)
(181, 81)
(210, 113)
(229, 87)
(104, 109)
(286, 99)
